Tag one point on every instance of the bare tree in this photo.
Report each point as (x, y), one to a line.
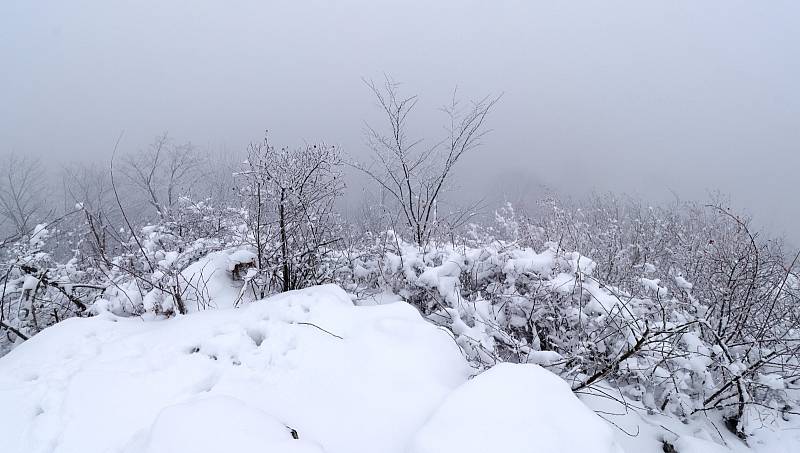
(22, 181)
(414, 176)
(89, 188)
(163, 173)
(217, 181)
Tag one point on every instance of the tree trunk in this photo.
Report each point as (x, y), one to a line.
(284, 246)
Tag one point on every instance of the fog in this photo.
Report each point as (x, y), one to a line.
(664, 99)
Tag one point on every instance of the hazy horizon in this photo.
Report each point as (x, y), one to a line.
(649, 99)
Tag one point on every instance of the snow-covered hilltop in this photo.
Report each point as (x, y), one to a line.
(307, 365)
(345, 378)
(305, 371)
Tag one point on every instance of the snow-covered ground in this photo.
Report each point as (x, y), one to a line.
(306, 371)
(347, 379)
(514, 409)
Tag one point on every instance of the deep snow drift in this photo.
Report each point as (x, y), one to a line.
(514, 409)
(307, 364)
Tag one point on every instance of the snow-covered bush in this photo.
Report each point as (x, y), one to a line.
(684, 310)
(682, 307)
(706, 269)
(37, 291)
(288, 197)
(148, 276)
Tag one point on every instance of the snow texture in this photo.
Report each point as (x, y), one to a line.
(638, 430)
(515, 408)
(347, 379)
(309, 372)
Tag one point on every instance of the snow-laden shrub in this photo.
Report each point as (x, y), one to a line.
(149, 277)
(289, 197)
(143, 271)
(656, 314)
(37, 291)
(683, 308)
(705, 268)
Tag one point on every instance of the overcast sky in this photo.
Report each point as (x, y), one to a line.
(641, 97)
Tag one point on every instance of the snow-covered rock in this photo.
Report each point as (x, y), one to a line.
(515, 408)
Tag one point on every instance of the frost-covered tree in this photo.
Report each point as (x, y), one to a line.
(289, 195)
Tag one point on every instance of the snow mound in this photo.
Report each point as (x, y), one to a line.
(347, 379)
(219, 424)
(515, 408)
(209, 282)
(688, 444)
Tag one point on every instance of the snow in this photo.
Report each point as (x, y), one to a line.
(38, 235)
(30, 282)
(581, 264)
(341, 378)
(381, 298)
(773, 381)
(638, 430)
(528, 261)
(688, 444)
(654, 285)
(514, 408)
(544, 358)
(209, 283)
(601, 301)
(683, 283)
(218, 424)
(241, 256)
(444, 278)
(169, 259)
(348, 379)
